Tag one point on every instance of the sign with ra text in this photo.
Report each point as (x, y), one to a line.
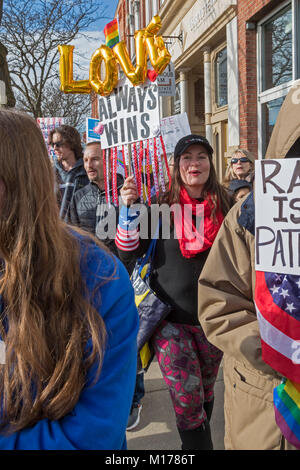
(129, 114)
(277, 216)
(173, 128)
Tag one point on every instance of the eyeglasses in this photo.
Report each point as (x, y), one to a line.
(57, 144)
(242, 160)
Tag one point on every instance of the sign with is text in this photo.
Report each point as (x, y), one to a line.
(277, 216)
(129, 114)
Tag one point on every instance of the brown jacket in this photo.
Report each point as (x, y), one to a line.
(227, 313)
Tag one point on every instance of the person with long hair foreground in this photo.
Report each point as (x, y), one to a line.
(68, 321)
(189, 363)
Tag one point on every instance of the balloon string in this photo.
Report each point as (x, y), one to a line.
(116, 176)
(161, 170)
(126, 159)
(105, 175)
(166, 160)
(141, 156)
(148, 175)
(124, 162)
(108, 176)
(136, 168)
(113, 156)
(155, 167)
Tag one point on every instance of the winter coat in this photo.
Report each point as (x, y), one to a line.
(89, 208)
(69, 183)
(228, 317)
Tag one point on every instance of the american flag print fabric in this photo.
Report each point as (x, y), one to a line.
(277, 300)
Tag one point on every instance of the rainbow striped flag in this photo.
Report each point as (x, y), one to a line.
(287, 411)
(111, 31)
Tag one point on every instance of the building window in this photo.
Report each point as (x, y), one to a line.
(220, 66)
(176, 101)
(199, 100)
(278, 49)
(270, 111)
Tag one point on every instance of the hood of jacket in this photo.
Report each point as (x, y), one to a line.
(287, 127)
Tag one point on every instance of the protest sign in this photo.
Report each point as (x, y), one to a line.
(46, 124)
(277, 216)
(166, 81)
(91, 135)
(130, 114)
(174, 128)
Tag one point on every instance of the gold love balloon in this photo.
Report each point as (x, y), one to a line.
(67, 84)
(103, 87)
(146, 43)
(137, 75)
(158, 53)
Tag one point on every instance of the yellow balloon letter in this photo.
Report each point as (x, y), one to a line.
(106, 86)
(137, 75)
(67, 84)
(158, 53)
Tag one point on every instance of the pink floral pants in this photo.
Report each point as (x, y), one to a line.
(189, 364)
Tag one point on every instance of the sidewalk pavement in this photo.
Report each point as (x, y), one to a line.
(157, 428)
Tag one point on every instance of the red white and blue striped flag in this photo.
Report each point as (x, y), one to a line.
(277, 299)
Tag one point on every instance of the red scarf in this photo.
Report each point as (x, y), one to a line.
(195, 240)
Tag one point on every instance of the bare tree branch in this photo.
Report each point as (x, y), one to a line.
(32, 31)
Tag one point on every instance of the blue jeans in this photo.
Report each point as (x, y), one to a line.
(139, 390)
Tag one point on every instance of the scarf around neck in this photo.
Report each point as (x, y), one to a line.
(194, 226)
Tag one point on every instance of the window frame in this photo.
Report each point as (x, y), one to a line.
(282, 90)
(215, 108)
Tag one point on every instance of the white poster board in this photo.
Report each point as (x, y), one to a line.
(277, 216)
(130, 114)
(174, 128)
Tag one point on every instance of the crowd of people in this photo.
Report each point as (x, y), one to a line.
(69, 373)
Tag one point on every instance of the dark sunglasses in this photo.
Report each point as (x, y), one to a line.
(57, 144)
(242, 160)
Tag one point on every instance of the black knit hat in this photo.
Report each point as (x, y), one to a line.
(235, 185)
(188, 140)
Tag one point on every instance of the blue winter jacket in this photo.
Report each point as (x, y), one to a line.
(98, 421)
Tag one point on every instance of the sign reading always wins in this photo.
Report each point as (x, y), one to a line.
(129, 114)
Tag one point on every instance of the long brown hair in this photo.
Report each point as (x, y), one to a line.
(219, 197)
(71, 137)
(48, 317)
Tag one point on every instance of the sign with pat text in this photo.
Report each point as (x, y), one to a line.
(277, 216)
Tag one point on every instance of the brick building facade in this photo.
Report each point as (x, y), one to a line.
(260, 83)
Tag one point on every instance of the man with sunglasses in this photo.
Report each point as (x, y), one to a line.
(71, 175)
